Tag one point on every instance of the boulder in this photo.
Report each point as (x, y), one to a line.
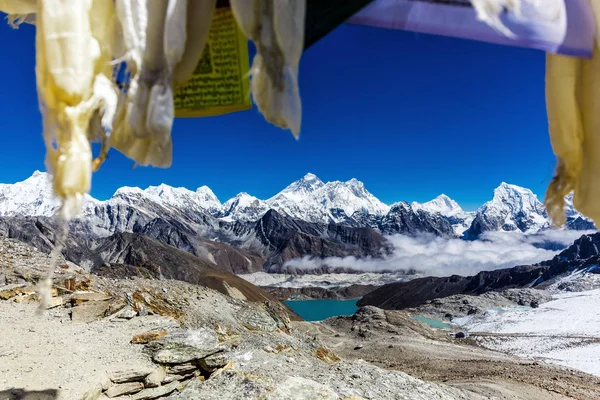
(89, 311)
(185, 346)
(216, 361)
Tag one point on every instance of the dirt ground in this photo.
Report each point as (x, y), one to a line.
(392, 340)
(49, 352)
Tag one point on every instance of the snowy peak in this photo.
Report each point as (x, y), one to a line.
(308, 184)
(244, 207)
(515, 199)
(442, 205)
(513, 208)
(33, 196)
(310, 199)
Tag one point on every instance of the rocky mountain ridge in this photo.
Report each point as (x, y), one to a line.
(245, 234)
(309, 199)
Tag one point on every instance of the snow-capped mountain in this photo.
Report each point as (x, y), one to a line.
(576, 220)
(202, 199)
(243, 207)
(512, 208)
(461, 220)
(33, 196)
(309, 199)
(442, 205)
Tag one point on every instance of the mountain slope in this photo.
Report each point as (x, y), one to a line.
(167, 262)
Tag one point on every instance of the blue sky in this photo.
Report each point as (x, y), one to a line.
(410, 115)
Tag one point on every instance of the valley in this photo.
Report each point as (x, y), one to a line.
(416, 274)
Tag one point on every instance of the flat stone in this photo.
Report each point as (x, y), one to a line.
(130, 375)
(82, 297)
(183, 368)
(155, 378)
(185, 346)
(148, 337)
(214, 362)
(8, 291)
(54, 302)
(124, 388)
(89, 311)
(173, 378)
(94, 393)
(148, 394)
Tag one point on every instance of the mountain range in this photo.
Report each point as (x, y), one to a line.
(247, 234)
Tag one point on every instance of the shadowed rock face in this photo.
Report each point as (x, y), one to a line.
(286, 239)
(585, 252)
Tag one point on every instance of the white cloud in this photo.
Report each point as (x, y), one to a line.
(430, 255)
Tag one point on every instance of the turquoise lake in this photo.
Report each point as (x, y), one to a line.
(432, 322)
(318, 310)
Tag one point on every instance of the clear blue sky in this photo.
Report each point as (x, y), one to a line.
(410, 115)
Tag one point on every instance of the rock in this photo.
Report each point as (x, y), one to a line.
(155, 378)
(185, 346)
(126, 313)
(461, 335)
(297, 388)
(124, 388)
(54, 302)
(183, 368)
(105, 382)
(8, 291)
(256, 320)
(130, 375)
(81, 297)
(94, 393)
(89, 311)
(358, 347)
(326, 355)
(148, 337)
(148, 394)
(534, 304)
(214, 362)
(27, 298)
(173, 378)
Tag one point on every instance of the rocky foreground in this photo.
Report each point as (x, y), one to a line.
(142, 338)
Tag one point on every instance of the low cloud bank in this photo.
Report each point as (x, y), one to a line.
(430, 255)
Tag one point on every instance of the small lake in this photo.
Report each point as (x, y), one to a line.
(318, 310)
(434, 323)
